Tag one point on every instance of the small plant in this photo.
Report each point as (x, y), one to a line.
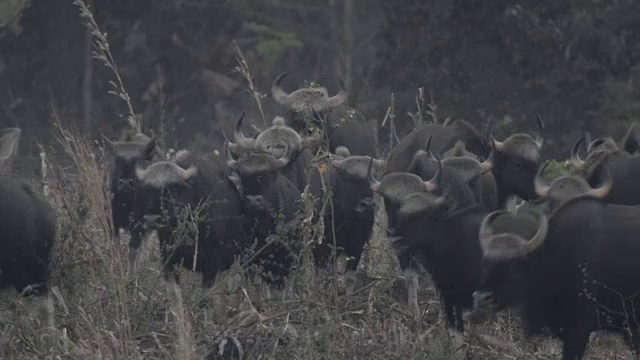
(554, 170)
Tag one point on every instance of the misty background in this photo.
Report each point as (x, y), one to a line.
(575, 63)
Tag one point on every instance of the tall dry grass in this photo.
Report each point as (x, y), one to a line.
(102, 314)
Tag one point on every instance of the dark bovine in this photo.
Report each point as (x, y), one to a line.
(580, 277)
(123, 183)
(343, 125)
(605, 160)
(272, 207)
(351, 212)
(436, 234)
(27, 235)
(516, 159)
(197, 211)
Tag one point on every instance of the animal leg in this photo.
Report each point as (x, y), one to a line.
(575, 341)
(45, 308)
(412, 281)
(449, 313)
(134, 248)
(131, 260)
(458, 315)
(209, 274)
(350, 278)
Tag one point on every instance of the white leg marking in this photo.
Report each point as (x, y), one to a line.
(412, 281)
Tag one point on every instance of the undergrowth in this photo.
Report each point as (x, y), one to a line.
(103, 314)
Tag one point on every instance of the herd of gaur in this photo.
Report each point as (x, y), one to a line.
(568, 258)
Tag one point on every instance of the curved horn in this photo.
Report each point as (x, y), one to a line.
(427, 145)
(190, 172)
(496, 145)
(594, 143)
(486, 232)
(587, 137)
(487, 130)
(541, 188)
(282, 162)
(228, 150)
(140, 172)
(540, 236)
(373, 182)
(539, 139)
(487, 165)
(241, 140)
(540, 122)
(232, 164)
(575, 157)
(229, 146)
(604, 189)
(434, 183)
(278, 94)
(340, 97)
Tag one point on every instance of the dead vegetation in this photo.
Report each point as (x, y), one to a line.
(100, 313)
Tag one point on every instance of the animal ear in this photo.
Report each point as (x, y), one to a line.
(149, 149)
(9, 138)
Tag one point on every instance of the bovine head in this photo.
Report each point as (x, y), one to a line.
(356, 166)
(138, 149)
(164, 174)
(257, 164)
(421, 203)
(423, 161)
(242, 143)
(256, 172)
(394, 187)
(568, 187)
(156, 182)
(516, 162)
(305, 101)
(279, 140)
(504, 261)
(9, 139)
(598, 150)
(457, 184)
(413, 218)
(468, 167)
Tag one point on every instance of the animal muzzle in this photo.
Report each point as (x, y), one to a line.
(257, 203)
(484, 301)
(366, 205)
